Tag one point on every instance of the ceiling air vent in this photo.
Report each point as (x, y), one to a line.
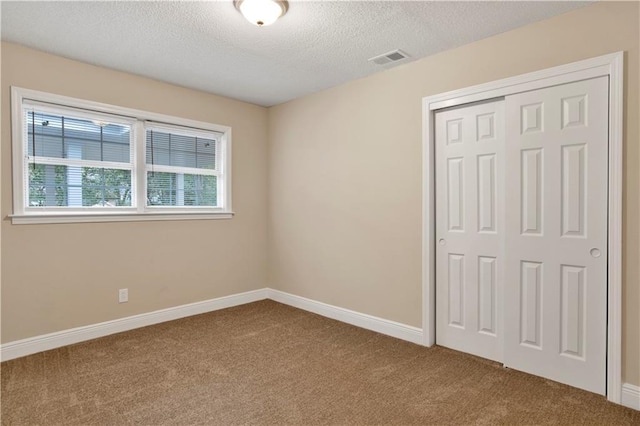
(387, 58)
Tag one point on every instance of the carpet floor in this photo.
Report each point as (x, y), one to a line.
(267, 363)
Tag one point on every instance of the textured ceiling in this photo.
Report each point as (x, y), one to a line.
(209, 46)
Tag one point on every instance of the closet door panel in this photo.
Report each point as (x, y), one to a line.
(469, 228)
(556, 233)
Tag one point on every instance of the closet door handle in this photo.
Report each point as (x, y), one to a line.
(595, 252)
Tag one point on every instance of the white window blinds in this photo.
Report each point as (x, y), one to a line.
(75, 160)
(183, 167)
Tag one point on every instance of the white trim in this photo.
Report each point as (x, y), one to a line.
(71, 336)
(575, 71)
(180, 130)
(77, 112)
(160, 168)
(630, 396)
(17, 153)
(616, 167)
(20, 93)
(116, 217)
(45, 342)
(140, 160)
(608, 65)
(72, 162)
(428, 229)
(369, 322)
(224, 150)
(19, 348)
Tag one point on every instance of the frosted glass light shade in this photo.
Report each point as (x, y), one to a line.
(261, 12)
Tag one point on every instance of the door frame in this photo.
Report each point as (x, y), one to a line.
(611, 65)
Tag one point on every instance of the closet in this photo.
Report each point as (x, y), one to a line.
(521, 231)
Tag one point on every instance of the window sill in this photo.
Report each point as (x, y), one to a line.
(115, 217)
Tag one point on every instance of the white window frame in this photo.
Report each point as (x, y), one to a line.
(218, 171)
(28, 160)
(139, 121)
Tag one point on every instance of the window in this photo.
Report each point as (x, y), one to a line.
(78, 161)
(181, 167)
(75, 159)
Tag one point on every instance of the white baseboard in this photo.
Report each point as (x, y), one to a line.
(380, 325)
(58, 339)
(630, 396)
(630, 393)
(45, 342)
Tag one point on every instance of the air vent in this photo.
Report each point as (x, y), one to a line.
(387, 58)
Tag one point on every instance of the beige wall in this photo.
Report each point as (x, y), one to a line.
(59, 276)
(344, 193)
(345, 168)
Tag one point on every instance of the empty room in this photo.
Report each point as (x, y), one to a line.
(320, 212)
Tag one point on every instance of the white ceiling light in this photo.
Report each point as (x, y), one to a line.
(262, 12)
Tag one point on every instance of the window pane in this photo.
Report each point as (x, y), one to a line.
(62, 136)
(176, 189)
(170, 149)
(62, 186)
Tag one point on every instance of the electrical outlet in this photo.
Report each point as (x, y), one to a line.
(123, 295)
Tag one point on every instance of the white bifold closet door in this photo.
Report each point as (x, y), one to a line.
(521, 230)
(470, 228)
(556, 228)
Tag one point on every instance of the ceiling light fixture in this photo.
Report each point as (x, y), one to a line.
(262, 12)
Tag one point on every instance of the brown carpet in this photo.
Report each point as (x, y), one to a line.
(266, 363)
